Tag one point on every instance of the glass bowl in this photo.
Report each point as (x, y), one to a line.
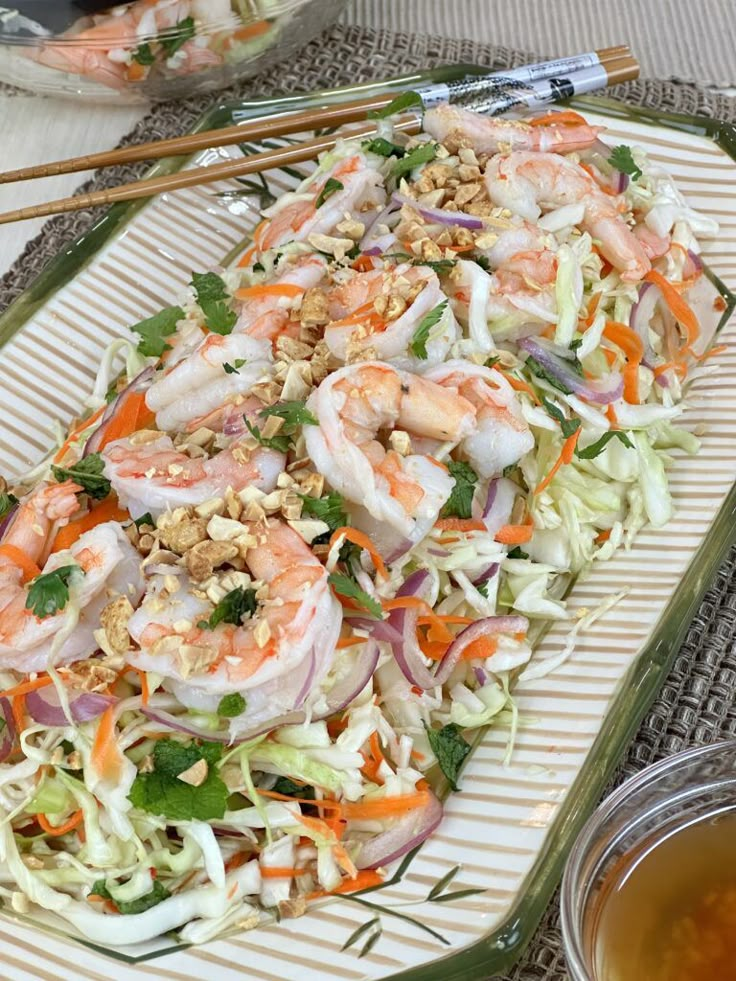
(151, 50)
(691, 787)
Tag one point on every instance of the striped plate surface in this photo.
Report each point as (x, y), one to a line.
(502, 824)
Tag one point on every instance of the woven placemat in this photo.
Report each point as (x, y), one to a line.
(696, 704)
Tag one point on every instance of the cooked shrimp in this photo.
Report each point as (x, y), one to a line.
(528, 183)
(379, 311)
(111, 568)
(272, 313)
(297, 618)
(501, 437)
(520, 236)
(198, 385)
(296, 216)
(457, 128)
(153, 476)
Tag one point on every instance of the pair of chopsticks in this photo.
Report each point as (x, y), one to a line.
(529, 87)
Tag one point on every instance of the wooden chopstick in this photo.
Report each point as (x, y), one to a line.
(203, 175)
(274, 125)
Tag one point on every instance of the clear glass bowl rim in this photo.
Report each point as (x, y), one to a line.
(569, 919)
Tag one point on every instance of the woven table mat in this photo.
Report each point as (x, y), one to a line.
(696, 704)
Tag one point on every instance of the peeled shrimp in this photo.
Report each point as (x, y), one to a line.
(379, 312)
(111, 568)
(292, 633)
(270, 316)
(153, 476)
(528, 183)
(457, 128)
(406, 489)
(295, 217)
(187, 394)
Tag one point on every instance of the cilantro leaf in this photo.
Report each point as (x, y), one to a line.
(421, 334)
(622, 159)
(294, 414)
(231, 705)
(233, 606)
(482, 588)
(133, 906)
(7, 503)
(407, 100)
(88, 473)
(177, 36)
(330, 187)
(568, 426)
(218, 317)
(144, 55)
(329, 509)
(592, 451)
(49, 593)
(483, 262)
(145, 519)
(288, 788)
(536, 368)
(517, 553)
(161, 792)
(154, 329)
(279, 442)
(384, 148)
(440, 266)
(232, 369)
(208, 286)
(346, 586)
(258, 267)
(450, 749)
(461, 497)
(419, 155)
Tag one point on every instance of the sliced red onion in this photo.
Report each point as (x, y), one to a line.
(641, 315)
(381, 630)
(375, 250)
(175, 722)
(344, 691)
(487, 574)
(415, 584)
(8, 520)
(401, 549)
(44, 707)
(490, 498)
(693, 265)
(372, 235)
(602, 391)
(308, 679)
(7, 739)
(139, 384)
(440, 215)
(408, 832)
(620, 179)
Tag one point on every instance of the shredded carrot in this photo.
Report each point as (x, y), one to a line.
(259, 231)
(236, 861)
(145, 693)
(444, 618)
(60, 829)
(276, 872)
(18, 706)
(592, 308)
(107, 510)
(437, 463)
(364, 263)
(518, 385)
(611, 416)
(461, 248)
(603, 536)
(26, 686)
(459, 524)
(362, 314)
(135, 72)
(76, 431)
(269, 289)
(514, 534)
(416, 755)
(377, 758)
(362, 541)
(106, 757)
(385, 807)
(344, 642)
(568, 449)
(712, 353)
(630, 343)
(248, 31)
(24, 562)
(679, 367)
(133, 414)
(363, 880)
(415, 603)
(246, 257)
(566, 118)
(680, 309)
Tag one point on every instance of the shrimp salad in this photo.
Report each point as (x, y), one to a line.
(259, 602)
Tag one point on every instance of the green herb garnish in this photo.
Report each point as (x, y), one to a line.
(458, 504)
(419, 155)
(536, 368)
(294, 414)
(232, 608)
(132, 906)
(330, 509)
(173, 39)
(568, 426)
(622, 159)
(279, 442)
(144, 55)
(233, 369)
(517, 553)
(331, 186)
(450, 749)
(592, 451)
(7, 503)
(161, 792)
(145, 519)
(212, 297)
(406, 100)
(49, 593)
(346, 586)
(209, 286)
(231, 705)
(154, 329)
(384, 148)
(421, 334)
(88, 473)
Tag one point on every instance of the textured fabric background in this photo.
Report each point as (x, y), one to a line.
(696, 704)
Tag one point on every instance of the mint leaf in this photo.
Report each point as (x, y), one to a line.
(154, 329)
(294, 414)
(49, 593)
(161, 792)
(483, 262)
(459, 502)
(329, 509)
(450, 749)
(517, 553)
(288, 788)
(407, 100)
(348, 587)
(88, 473)
(132, 906)
(174, 38)
(331, 186)
(231, 705)
(145, 519)
(232, 608)
(144, 55)
(279, 442)
(7, 503)
(421, 334)
(419, 155)
(621, 158)
(232, 369)
(209, 286)
(384, 148)
(592, 451)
